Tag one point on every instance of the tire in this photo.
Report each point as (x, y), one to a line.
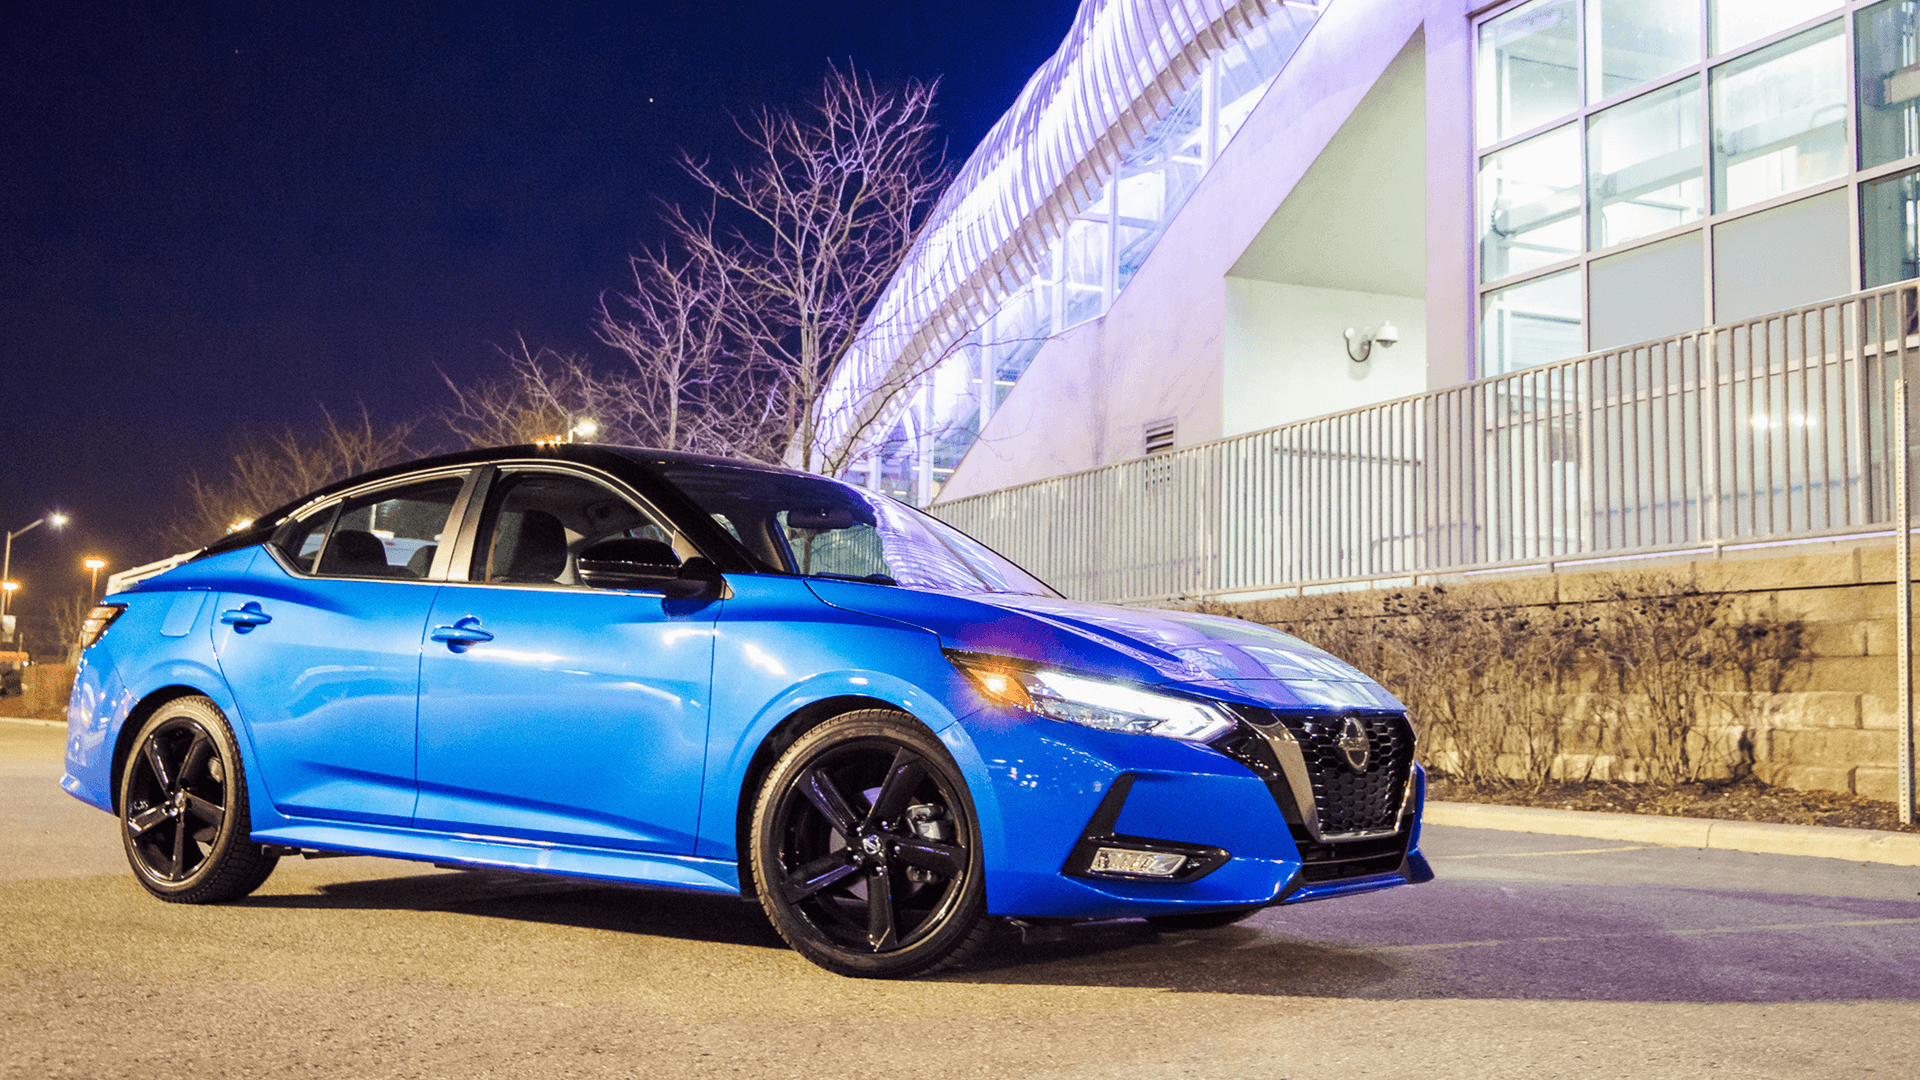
(866, 851)
(183, 808)
(1208, 920)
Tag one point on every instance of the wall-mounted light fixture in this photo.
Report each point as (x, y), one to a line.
(1386, 335)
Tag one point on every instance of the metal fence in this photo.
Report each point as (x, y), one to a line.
(1774, 428)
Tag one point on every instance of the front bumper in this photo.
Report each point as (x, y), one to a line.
(1052, 786)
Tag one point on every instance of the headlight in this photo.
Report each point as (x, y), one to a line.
(1113, 706)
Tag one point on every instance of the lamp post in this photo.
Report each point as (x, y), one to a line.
(95, 565)
(6, 561)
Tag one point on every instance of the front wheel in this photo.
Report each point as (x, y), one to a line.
(866, 853)
(183, 808)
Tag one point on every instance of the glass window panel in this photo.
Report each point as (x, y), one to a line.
(1781, 258)
(537, 522)
(1646, 293)
(1780, 118)
(898, 464)
(1527, 74)
(1086, 270)
(1530, 204)
(1536, 322)
(392, 533)
(955, 386)
(1634, 41)
(1643, 160)
(1736, 22)
(1887, 60)
(1890, 224)
(1248, 67)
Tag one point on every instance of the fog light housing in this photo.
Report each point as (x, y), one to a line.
(1156, 864)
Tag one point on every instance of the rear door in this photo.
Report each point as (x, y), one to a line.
(322, 649)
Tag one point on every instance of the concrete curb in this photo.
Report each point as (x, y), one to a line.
(24, 720)
(1853, 845)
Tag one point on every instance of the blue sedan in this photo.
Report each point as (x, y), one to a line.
(692, 673)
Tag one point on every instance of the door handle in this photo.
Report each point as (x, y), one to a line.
(245, 617)
(462, 633)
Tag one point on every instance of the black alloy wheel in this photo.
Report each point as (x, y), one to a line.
(183, 808)
(866, 853)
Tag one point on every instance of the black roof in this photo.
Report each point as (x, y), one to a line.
(611, 458)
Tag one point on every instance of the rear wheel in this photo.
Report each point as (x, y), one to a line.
(866, 853)
(183, 808)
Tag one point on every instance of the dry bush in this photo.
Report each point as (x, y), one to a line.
(1497, 687)
(1678, 662)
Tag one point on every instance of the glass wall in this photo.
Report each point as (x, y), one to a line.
(1648, 167)
(1098, 251)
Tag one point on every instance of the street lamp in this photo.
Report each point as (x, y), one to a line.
(6, 561)
(95, 565)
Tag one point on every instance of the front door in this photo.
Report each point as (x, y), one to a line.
(556, 712)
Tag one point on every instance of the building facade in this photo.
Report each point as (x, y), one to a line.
(1198, 211)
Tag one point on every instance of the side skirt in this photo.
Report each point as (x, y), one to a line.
(627, 867)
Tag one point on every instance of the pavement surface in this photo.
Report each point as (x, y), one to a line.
(1531, 956)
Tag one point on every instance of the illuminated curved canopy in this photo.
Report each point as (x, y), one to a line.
(1125, 68)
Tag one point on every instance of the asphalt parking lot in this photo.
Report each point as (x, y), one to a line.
(1531, 956)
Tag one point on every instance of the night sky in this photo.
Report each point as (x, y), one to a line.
(216, 214)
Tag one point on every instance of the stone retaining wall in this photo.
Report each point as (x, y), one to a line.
(1833, 726)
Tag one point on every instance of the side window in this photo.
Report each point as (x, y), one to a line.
(391, 533)
(300, 540)
(537, 523)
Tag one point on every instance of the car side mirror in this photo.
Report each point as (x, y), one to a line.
(698, 577)
(628, 562)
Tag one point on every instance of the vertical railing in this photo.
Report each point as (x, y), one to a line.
(1772, 428)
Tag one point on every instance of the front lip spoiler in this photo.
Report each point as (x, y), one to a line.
(1413, 870)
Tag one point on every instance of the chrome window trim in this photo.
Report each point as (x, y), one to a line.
(474, 508)
(435, 570)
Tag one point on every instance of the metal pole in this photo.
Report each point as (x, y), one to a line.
(6, 570)
(1903, 585)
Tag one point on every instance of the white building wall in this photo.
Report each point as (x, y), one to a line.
(1160, 352)
(1286, 358)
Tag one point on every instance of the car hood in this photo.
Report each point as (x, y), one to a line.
(1227, 657)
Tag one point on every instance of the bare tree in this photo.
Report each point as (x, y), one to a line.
(680, 390)
(732, 331)
(268, 467)
(543, 394)
(817, 225)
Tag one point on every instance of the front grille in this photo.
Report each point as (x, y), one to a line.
(1345, 802)
(1351, 858)
(1349, 801)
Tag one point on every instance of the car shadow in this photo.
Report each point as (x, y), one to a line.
(1698, 946)
(1468, 940)
(506, 894)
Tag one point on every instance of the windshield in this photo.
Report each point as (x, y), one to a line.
(822, 528)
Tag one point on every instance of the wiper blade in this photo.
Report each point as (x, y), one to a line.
(871, 579)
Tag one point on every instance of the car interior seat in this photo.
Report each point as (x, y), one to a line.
(539, 551)
(354, 553)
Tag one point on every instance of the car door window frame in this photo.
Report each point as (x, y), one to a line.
(466, 545)
(436, 570)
